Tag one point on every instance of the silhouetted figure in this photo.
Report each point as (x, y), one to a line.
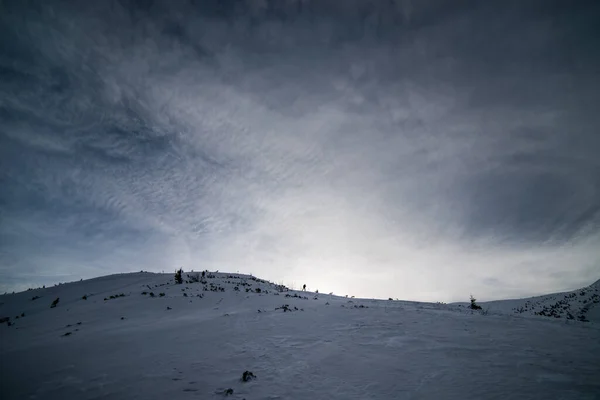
(304, 288)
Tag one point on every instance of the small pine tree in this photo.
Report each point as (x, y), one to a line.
(178, 278)
(474, 305)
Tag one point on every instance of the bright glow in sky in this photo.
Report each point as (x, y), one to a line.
(423, 150)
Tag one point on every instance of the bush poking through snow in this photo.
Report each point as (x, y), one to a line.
(248, 376)
(474, 306)
(178, 278)
(296, 296)
(54, 303)
(228, 392)
(84, 297)
(194, 277)
(161, 294)
(114, 296)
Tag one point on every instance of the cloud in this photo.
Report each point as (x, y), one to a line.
(405, 149)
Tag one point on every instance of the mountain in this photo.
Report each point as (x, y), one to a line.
(236, 336)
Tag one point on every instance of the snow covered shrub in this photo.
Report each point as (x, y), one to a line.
(54, 303)
(194, 278)
(178, 278)
(474, 305)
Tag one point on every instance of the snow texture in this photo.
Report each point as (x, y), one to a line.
(117, 337)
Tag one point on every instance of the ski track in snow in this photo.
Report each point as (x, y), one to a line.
(201, 346)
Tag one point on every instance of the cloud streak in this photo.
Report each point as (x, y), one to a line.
(406, 149)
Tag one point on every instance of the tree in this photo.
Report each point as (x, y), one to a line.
(178, 278)
(474, 305)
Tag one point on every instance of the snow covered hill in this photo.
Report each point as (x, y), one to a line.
(581, 305)
(142, 336)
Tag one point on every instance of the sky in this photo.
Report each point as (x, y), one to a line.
(422, 150)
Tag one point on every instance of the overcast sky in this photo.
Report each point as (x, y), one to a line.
(424, 150)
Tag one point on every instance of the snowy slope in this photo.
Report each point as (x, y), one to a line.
(198, 339)
(581, 305)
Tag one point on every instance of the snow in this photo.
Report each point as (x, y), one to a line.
(582, 305)
(325, 348)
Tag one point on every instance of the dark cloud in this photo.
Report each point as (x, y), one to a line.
(302, 138)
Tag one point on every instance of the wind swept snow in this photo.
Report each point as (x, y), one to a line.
(142, 336)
